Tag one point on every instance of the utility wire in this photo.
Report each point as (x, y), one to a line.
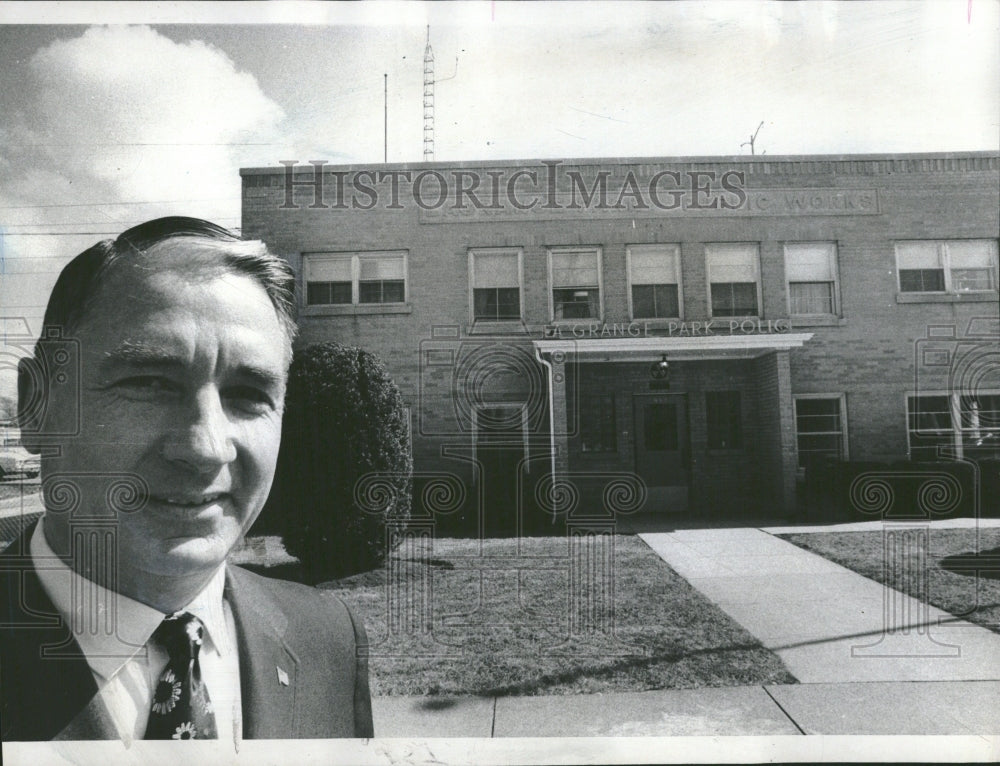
(114, 233)
(136, 143)
(59, 233)
(107, 204)
(4, 228)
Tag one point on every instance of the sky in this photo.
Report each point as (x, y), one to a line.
(115, 113)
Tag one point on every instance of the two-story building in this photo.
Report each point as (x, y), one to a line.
(709, 325)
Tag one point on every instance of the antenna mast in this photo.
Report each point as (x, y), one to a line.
(429, 96)
(753, 138)
(428, 99)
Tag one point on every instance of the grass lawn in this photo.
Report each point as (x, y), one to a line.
(976, 599)
(509, 622)
(16, 489)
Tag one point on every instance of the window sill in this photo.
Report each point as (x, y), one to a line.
(736, 319)
(355, 310)
(816, 320)
(505, 327)
(597, 321)
(983, 297)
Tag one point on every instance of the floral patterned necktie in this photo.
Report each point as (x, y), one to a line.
(181, 708)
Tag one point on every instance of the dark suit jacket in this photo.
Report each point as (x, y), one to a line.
(303, 664)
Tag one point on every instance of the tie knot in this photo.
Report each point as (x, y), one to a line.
(180, 634)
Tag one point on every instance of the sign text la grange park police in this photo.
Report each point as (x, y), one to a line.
(669, 329)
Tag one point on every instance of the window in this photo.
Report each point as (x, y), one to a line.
(654, 276)
(733, 277)
(953, 424)
(980, 418)
(811, 271)
(381, 278)
(496, 285)
(597, 423)
(724, 417)
(819, 428)
(947, 266)
(328, 279)
(354, 278)
(929, 425)
(576, 284)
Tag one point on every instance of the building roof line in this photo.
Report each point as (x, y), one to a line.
(665, 160)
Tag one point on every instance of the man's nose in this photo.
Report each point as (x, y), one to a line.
(201, 440)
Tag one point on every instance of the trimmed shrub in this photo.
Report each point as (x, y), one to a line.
(856, 490)
(344, 466)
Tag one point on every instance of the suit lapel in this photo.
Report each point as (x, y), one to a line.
(269, 669)
(92, 722)
(46, 694)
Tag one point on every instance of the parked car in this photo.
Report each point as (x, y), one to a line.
(17, 461)
(987, 447)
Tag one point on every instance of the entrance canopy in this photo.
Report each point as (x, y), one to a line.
(659, 419)
(677, 348)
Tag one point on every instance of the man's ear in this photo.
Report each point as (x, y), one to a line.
(31, 402)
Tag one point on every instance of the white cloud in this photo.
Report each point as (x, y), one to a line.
(133, 114)
(120, 115)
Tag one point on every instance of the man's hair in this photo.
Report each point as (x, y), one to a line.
(81, 279)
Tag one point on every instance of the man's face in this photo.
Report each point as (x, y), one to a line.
(182, 382)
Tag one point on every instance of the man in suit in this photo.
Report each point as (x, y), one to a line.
(155, 397)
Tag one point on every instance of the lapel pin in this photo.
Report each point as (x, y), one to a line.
(282, 676)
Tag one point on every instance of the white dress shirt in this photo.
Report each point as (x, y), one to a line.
(114, 633)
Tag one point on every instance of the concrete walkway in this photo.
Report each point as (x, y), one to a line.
(827, 623)
(935, 708)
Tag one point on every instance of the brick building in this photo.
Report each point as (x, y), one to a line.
(710, 325)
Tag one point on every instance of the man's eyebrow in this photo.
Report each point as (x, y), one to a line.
(141, 353)
(261, 375)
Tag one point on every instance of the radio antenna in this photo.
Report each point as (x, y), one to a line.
(753, 138)
(429, 82)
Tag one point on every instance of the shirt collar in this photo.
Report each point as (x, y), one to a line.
(112, 628)
(208, 607)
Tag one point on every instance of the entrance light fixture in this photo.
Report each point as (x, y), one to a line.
(660, 370)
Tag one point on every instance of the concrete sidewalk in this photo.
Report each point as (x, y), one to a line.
(935, 708)
(827, 623)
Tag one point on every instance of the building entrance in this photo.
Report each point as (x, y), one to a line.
(500, 447)
(662, 450)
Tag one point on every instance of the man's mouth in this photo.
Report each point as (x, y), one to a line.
(191, 501)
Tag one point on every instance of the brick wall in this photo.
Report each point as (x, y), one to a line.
(867, 353)
(775, 423)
